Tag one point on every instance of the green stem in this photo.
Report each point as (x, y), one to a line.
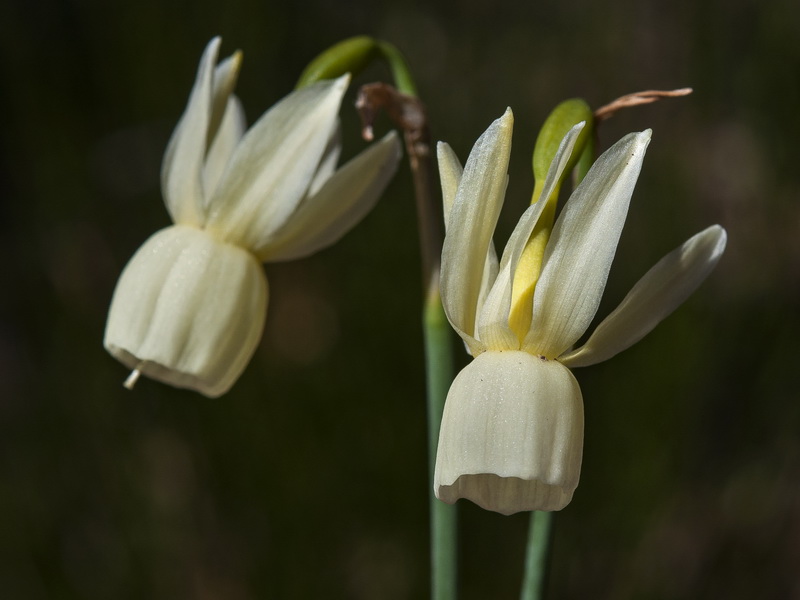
(399, 67)
(539, 535)
(352, 56)
(409, 114)
(439, 368)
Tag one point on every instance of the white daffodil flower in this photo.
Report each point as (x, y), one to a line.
(189, 308)
(511, 437)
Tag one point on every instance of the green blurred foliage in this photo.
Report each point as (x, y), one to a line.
(308, 480)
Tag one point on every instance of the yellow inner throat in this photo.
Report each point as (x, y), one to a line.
(529, 266)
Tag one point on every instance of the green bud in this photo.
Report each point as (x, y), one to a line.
(585, 161)
(349, 56)
(563, 118)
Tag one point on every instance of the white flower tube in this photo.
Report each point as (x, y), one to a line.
(190, 306)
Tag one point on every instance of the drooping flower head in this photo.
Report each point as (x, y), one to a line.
(511, 437)
(189, 307)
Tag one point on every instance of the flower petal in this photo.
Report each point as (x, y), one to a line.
(343, 201)
(225, 141)
(224, 81)
(471, 225)
(654, 297)
(512, 434)
(450, 172)
(492, 325)
(560, 160)
(188, 311)
(273, 165)
(182, 167)
(329, 160)
(581, 248)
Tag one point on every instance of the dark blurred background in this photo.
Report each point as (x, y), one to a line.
(308, 479)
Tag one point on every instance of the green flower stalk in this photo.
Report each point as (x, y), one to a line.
(189, 308)
(512, 431)
(408, 113)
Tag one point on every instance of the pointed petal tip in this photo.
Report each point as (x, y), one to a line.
(213, 46)
(501, 128)
(721, 235)
(639, 141)
(236, 58)
(343, 81)
(720, 231)
(336, 87)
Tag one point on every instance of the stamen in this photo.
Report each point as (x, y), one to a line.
(132, 379)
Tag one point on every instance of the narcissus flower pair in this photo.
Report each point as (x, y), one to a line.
(511, 437)
(189, 308)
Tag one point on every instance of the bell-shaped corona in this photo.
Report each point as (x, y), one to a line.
(512, 434)
(188, 310)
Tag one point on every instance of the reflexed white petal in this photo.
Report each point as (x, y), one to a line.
(224, 81)
(343, 201)
(329, 160)
(182, 167)
(512, 434)
(219, 154)
(450, 171)
(581, 248)
(560, 160)
(471, 224)
(490, 271)
(654, 297)
(274, 164)
(188, 311)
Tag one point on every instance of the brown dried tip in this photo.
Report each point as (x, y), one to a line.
(406, 112)
(635, 99)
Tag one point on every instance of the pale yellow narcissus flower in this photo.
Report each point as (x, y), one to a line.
(189, 308)
(511, 437)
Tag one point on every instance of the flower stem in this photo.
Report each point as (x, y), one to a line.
(443, 517)
(399, 67)
(408, 113)
(539, 536)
